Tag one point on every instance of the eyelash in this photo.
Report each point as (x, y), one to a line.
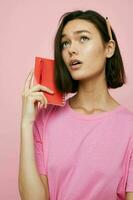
(80, 38)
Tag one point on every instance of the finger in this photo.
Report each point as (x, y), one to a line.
(26, 85)
(40, 99)
(28, 77)
(28, 80)
(41, 95)
(39, 87)
(31, 81)
(44, 103)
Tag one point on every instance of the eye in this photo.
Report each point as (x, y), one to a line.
(84, 38)
(63, 44)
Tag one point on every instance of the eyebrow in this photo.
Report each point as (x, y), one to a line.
(77, 32)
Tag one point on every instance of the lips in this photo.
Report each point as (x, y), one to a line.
(74, 62)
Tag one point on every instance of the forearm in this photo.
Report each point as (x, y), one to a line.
(30, 184)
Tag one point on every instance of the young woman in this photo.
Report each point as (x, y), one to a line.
(84, 149)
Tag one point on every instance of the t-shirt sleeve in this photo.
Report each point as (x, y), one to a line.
(40, 143)
(129, 184)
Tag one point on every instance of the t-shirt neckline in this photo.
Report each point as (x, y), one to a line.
(93, 116)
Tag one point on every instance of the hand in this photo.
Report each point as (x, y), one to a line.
(31, 97)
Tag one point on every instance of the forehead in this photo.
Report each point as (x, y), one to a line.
(79, 24)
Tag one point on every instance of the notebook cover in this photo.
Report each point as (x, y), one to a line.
(44, 75)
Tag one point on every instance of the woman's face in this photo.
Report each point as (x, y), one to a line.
(85, 46)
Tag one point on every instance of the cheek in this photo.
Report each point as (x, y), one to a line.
(94, 53)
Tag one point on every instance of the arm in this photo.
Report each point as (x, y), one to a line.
(129, 195)
(45, 182)
(30, 184)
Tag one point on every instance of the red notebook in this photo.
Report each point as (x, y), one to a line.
(44, 75)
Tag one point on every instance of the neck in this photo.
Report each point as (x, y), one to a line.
(93, 94)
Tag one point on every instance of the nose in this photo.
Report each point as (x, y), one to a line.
(73, 49)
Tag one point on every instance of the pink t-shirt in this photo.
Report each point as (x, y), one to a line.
(85, 157)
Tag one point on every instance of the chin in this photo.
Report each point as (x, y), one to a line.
(80, 76)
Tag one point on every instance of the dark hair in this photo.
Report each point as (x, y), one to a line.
(115, 74)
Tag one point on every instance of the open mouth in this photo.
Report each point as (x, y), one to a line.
(75, 63)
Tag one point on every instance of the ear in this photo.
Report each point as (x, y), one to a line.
(110, 48)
